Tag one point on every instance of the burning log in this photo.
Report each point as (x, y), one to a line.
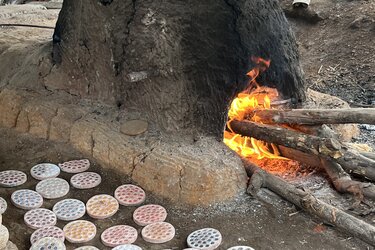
(316, 116)
(309, 203)
(327, 148)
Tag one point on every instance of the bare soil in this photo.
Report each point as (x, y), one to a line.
(338, 58)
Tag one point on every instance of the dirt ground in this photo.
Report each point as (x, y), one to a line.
(338, 58)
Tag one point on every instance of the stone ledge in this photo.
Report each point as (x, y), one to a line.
(197, 173)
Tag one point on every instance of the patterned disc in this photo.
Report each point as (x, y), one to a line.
(26, 199)
(75, 166)
(53, 188)
(40, 217)
(85, 180)
(43, 232)
(102, 206)
(130, 195)
(4, 236)
(79, 231)
(159, 232)
(118, 235)
(127, 247)
(3, 205)
(45, 171)
(69, 209)
(86, 248)
(12, 178)
(48, 243)
(241, 248)
(149, 214)
(205, 239)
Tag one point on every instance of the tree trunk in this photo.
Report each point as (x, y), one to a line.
(178, 63)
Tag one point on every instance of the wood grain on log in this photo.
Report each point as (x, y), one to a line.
(328, 148)
(316, 116)
(308, 202)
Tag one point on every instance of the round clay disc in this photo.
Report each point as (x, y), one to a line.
(3, 205)
(79, 231)
(40, 217)
(75, 166)
(69, 209)
(127, 247)
(134, 127)
(241, 248)
(119, 235)
(130, 195)
(85, 180)
(159, 232)
(102, 206)
(53, 188)
(48, 243)
(12, 178)
(43, 232)
(205, 239)
(4, 236)
(86, 248)
(45, 171)
(149, 214)
(26, 199)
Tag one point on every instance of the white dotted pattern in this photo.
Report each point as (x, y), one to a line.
(159, 232)
(118, 235)
(12, 178)
(75, 166)
(79, 231)
(27, 199)
(40, 217)
(45, 171)
(86, 180)
(69, 209)
(127, 247)
(48, 243)
(53, 188)
(149, 214)
(130, 195)
(205, 239)
(241, 248)
(44, 232)
(3, 205)
(102, 206)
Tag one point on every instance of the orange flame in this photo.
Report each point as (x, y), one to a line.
(241, 106)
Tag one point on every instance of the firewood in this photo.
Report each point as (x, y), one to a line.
(328, 148)
(308, 202)
(316, 116)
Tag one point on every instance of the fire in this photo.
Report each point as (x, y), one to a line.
(254, 97)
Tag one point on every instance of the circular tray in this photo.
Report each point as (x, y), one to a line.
(85, 180)
(241, 248)
(79, 231)
(26, 199)
(127, 247)
(12, 178)
(159, 232)
(130, 195)
(40, 217)
(75, 166)
(43, 232)
(69, 209)
(205, 239)
(102, 206)
(119, 235)
(86, 248)
(3, 205)
(44, 171)
(48, 243)
(53, 188)
(149, 214)
(4, 236)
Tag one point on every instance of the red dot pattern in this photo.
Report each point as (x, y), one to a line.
(85, 180)
(118, 235)
(43, 232)
(130, 195)
(149, 214)
(159, 232)
(75, 166)
(40, 217)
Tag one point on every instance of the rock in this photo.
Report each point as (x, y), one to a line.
(361, 22)
(10, 107)
(62, 123)
(134, 127)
